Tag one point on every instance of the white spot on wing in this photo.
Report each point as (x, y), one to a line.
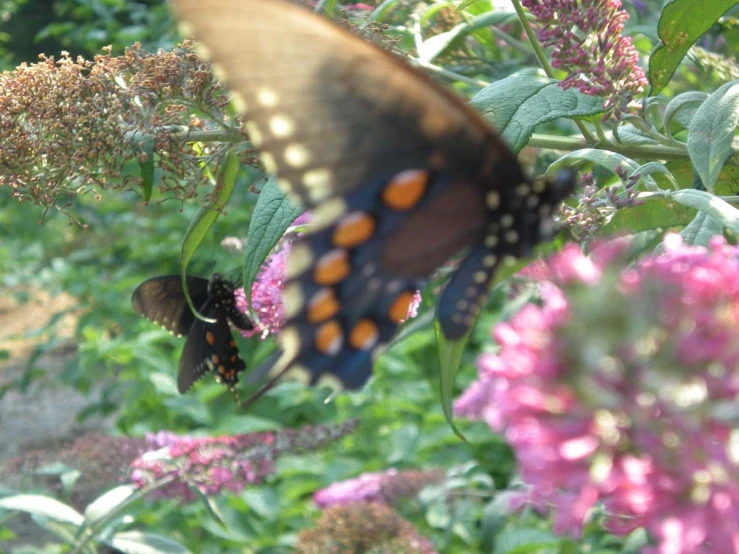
(254, 134)
(327, 213)
(293, 299)
(267, 97)
(317, 178)
(269, 162)
(296, 155)
(281, 126)
(299, 260)
(238, 102)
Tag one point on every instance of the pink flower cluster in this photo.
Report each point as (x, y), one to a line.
(587, 43)
(211, 464)
(386, 487)
(622, 388)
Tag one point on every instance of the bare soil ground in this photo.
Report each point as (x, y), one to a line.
(44, 417)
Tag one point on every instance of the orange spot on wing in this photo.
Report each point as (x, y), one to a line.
(398, 311)
(364, 335)
(353, 230)
(215, 359)
(406, 189)
(332, 268)
(210, 338)
(329, 337)
(323, 306)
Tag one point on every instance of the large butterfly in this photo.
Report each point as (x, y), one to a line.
(209, 345)
(400, 175)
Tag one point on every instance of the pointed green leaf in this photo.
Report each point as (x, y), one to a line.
(701, 230)
(205, 218)
(42, 506)
(681, 23)
(108, 502)
(721, 211)
(438, 44)
(450, 358)
(711, 132)
(685, 101)
(272, 216)
(517, 104)
(135, 542)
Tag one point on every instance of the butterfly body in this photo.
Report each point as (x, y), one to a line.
(400, 175)
(209, 345)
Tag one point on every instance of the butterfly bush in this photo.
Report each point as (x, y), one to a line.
(363, 528)
(212, 464)
(586, 41)
(116, 111)
(621, 389)
(386, 487)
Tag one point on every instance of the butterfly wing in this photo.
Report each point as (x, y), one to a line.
(210, 347)
(162, 301)
(328, 111)
(399, 172)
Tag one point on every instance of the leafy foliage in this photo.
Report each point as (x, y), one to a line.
(669, 164)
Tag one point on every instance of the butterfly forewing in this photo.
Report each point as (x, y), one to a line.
(327, 110)
(162, 301)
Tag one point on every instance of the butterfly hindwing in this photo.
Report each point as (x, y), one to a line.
(209, 347)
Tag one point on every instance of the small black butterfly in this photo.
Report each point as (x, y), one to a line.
(209, 346)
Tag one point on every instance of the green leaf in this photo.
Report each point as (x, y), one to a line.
(685, 101)
(272, 216)
(628, 135)
(701, 230)
(517, 104)
(205, 218)
(654, 213)
(603, 158)
(525, 541)
(437, 45)
(450, 358)
(721, 211)
(135, 542)
(146, 166)
(42, 506)
(681, 23)
(108, 502)
(711, 132)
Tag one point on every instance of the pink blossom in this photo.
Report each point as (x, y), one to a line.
(586, 41)
(621, 390)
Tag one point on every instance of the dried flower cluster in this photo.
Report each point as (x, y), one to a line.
(211, 464)
(363, 528)
(622, 389)
(387, 487)
(586, 41)
(73, 127)
(596, 207)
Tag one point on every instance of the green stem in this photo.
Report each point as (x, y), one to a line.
(544, 62)
(650, 151)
